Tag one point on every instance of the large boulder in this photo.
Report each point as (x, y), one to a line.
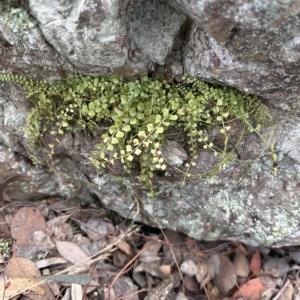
(251, 45)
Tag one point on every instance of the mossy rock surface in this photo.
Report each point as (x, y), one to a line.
(134, 117)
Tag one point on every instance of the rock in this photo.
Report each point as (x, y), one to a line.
(277, 266)
(243, 44)
(295, 255)
(174, 154)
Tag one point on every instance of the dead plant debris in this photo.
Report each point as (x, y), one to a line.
(59, 250)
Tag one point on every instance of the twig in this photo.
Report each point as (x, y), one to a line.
(282, 290)
(127, 265)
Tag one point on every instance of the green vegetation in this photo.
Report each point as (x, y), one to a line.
(5, 247)
(133, 116)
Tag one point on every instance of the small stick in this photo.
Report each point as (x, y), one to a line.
(282, 290)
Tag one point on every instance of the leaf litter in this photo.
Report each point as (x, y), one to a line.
(63, 251)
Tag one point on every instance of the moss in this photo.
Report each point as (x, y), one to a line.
(133, 117)
(5, 247)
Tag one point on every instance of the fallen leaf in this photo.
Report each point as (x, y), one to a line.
(62, 231)
(242, 248)
(71, 252)
(20, 285)
(119, 258)
(25, 222)
(269, 294)
(152, 247)
(255, 264)
(250, 290)
(151, 268)
(43, 263)
(48, 295)
(288, 292)
(53, 285)
(96, 227)
(190, 283)
(271, 282)
(76, 291)
(241, 264)
(206, 269)
(22, 267)
(78, 279)
(192, 245)
(125, 247)
(225, 277)
(57, 221)
(123, 288)
(172, 249)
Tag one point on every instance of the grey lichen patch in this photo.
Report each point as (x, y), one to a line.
(16, 23)
(255, 210)
(149, 29)
(277, 221)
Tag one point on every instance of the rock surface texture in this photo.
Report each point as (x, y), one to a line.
(251, 45)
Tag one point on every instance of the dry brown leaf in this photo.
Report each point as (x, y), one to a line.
(242, 248)
(96, 227)
(48, 295)
(206, 269)
(119, 258)
(67, 295)
(25, 222)
(57, 221)
(19, 285)
(288, 292)
(241, 264)
(255, 264)
(76, 291)
(94, 284)
(175, 240)
(152, 247)
(125, 247)
(250, 290)
(71, 252)
(22, 267)
(225, 277)
(151, 268)
(192, 245)
(43, 263)
(190, 283)
(53, 285)
(123, 288)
